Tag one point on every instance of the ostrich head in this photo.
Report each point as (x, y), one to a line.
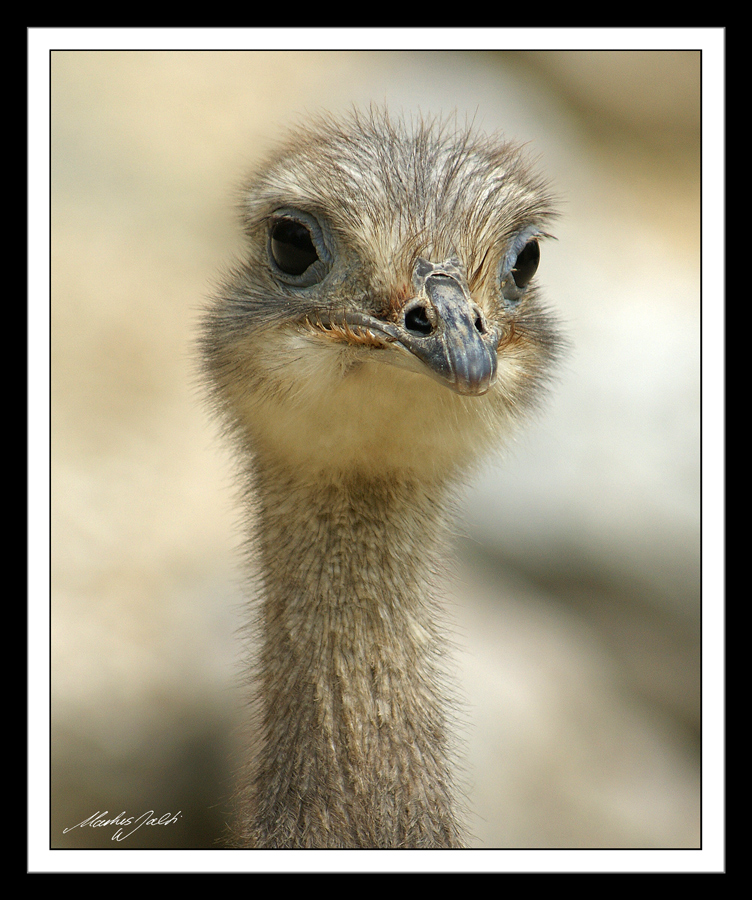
(386, 315)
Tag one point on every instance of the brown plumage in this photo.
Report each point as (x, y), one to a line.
(382, 333)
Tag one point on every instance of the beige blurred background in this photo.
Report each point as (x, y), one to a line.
(577, 600)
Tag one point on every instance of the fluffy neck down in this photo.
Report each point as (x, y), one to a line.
(354, 749)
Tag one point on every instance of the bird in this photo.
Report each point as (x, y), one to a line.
(380, 334)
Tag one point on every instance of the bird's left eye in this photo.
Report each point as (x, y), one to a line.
(519, 266)
(527, 264)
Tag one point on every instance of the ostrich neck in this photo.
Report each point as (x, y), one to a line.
(354, 744)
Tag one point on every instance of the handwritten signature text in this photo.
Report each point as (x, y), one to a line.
(126, 825)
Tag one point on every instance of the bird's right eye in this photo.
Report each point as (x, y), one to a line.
(292, 246)
(300, 247)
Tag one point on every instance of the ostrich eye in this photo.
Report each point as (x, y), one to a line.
(519, 266)
(299, 247)
(527, 264)
(292, 246)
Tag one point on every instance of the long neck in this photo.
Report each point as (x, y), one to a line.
(353, 744)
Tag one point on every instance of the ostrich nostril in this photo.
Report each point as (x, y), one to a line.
(417, 321)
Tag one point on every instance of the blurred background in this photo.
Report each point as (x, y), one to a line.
(577, 597)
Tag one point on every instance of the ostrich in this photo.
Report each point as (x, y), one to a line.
(381, 334)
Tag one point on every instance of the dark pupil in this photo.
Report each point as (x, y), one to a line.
(527, 263)
(292, 247)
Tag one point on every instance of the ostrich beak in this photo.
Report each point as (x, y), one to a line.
(441, 331)
(447, 331)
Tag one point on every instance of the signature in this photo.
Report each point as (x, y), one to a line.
(124, 822)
